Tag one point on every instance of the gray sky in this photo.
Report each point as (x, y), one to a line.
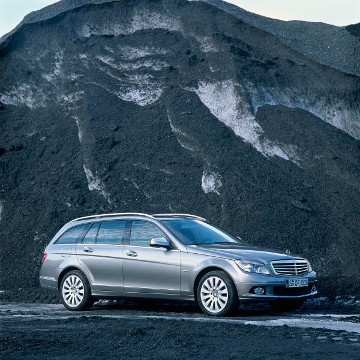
(337, 12)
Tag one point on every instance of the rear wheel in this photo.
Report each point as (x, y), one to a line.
(286, 305)
(216, 294)
(75, 291)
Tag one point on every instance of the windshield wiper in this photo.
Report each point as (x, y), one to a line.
(228, 243)
(217, 243)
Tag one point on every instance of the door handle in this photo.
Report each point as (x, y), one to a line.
(131, 253)
(88, 250)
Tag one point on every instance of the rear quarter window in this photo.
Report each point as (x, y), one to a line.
(90, 237)
(73, 235)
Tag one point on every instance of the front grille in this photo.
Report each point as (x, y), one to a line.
(284, 291)
(290, 267)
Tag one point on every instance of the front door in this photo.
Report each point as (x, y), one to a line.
(147, 269)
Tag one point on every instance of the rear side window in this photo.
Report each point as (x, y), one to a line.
(111, 232)
(90, 237)
(73, 235)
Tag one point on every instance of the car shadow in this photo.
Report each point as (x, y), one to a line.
(170, 307)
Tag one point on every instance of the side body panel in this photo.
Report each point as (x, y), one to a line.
(103, 266)
(193, 264)
(151, 270)
(59, 257)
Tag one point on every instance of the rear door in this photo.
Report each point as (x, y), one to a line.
(148, 269)
(100, 255)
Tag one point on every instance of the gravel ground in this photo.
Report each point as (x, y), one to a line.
(175, 331)
(175, 106)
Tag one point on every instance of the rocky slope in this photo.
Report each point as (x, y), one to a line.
(338, 47)
(177, 106)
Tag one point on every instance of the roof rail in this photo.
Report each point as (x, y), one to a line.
(113, 214)
(181, 215)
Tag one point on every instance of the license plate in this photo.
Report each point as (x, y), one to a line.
(291, 283)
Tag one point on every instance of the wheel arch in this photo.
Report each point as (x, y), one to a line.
(203, 272)
(65, 271)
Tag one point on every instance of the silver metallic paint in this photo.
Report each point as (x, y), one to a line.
(158, 272)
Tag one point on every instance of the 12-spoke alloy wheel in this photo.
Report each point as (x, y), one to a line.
(217, 294)
(75, 291)
(214, 294)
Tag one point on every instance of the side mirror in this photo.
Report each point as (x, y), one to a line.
(160, 242)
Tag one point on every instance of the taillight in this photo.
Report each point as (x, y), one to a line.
(44, 258)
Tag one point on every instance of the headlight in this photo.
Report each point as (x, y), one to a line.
(252, 267)
(309, 267)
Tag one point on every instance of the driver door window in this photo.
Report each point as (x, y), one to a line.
(142, 232)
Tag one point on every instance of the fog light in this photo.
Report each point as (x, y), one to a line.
(259, 291)
(313, 289)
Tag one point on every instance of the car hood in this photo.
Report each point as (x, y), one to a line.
(236, 251)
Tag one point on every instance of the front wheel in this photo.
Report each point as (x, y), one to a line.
(75, 291)
(286, 305)
(216, 294)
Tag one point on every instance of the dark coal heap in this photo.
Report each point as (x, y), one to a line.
(181, 106)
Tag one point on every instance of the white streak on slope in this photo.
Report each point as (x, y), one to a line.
(72, 97)
(80, 132)
(132, 53)
(94, 183)
(142, 20)
(155, 65)
(1, 208)
(226, 100)
(211, 182)
(309, 323)
(140, 89)
(329, 108)
(59, 59)
(206, 44)
(181, 136)
(24, 94)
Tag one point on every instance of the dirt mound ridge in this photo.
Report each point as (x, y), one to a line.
(175, 106)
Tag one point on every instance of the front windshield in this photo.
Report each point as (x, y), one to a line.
(195, 232)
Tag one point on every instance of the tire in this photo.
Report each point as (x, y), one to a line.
(286, 305)
(75, 291)
(216, 294)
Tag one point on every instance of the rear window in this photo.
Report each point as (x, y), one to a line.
(73, 235)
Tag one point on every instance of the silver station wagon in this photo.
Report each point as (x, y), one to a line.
(169, 256)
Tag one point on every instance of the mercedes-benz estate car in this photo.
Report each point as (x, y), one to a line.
(169, 256)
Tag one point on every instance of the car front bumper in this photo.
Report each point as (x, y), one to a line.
(274, 287)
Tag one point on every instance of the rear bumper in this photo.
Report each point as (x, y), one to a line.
(48, 283)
